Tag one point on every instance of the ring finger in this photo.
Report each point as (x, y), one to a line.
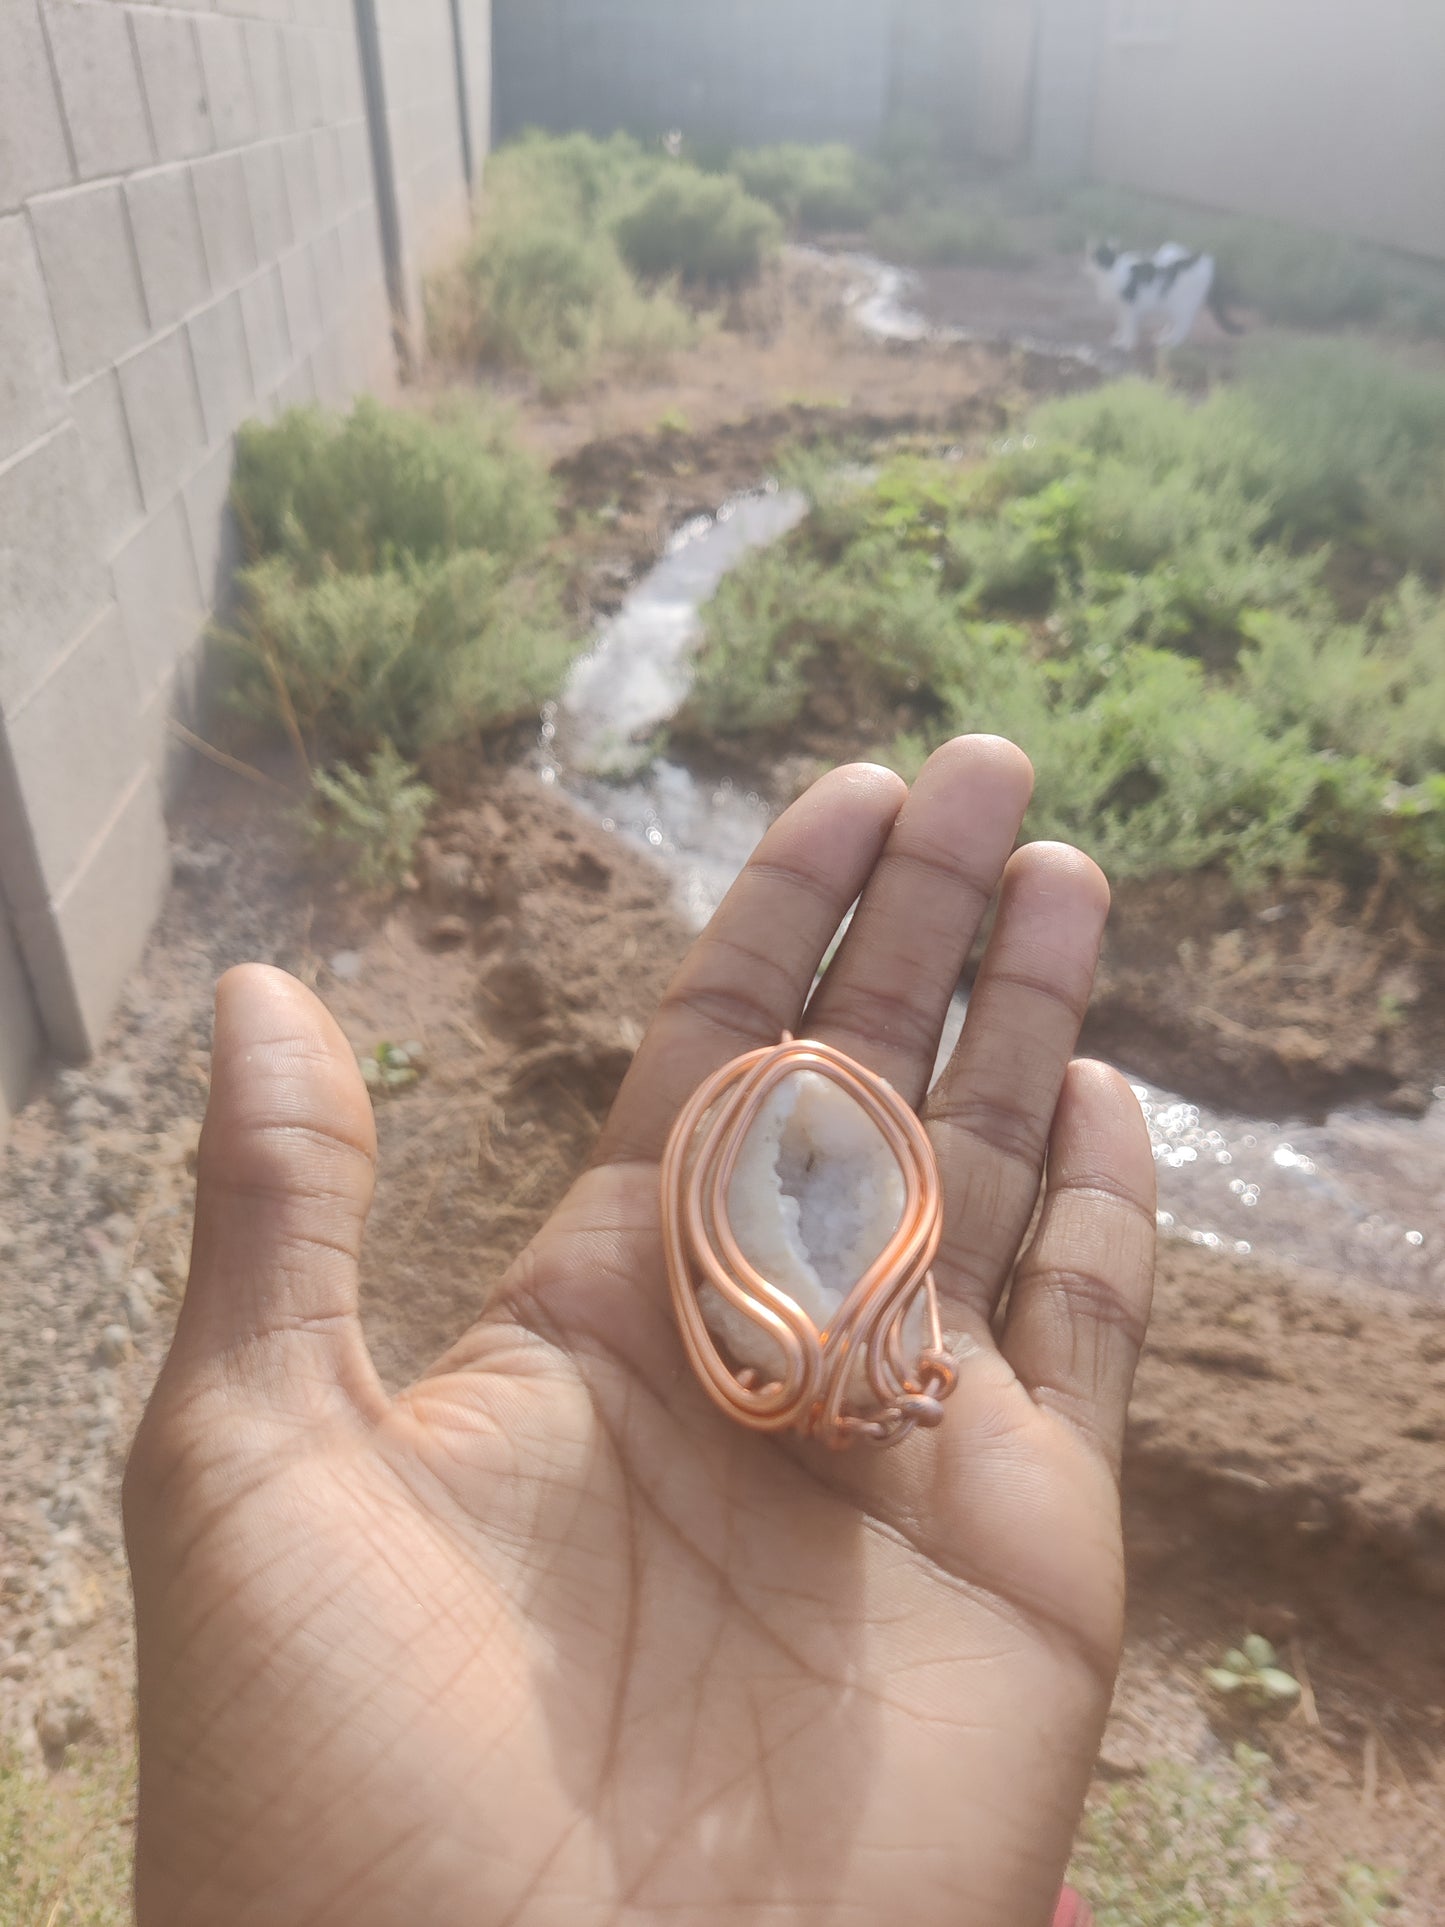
(992, 1109)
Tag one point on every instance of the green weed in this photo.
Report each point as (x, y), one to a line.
(398, 588)
(1252, 1675)
(704, 228)
(65, 1844)
(1368, 1895)
(371, 817)
(1358, 441)
(379, 486)
(1186, 1847)
(826, 189)
(1122, 589)
(576, 252)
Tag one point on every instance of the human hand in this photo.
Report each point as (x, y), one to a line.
(548, 1639)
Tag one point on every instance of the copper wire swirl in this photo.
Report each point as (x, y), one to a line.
(821, 1391)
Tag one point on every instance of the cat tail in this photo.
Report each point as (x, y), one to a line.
(1219, 308)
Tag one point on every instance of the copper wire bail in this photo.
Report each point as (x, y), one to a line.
(853, 1380)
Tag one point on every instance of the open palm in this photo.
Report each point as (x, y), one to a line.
(547, 1638)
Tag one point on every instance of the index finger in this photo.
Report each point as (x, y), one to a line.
(748, 976)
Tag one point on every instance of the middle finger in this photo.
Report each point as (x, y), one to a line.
(886, 994)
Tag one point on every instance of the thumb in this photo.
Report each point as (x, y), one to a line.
(284, 1182)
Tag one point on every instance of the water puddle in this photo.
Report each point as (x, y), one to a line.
(1358, 1196)
(594, 742)
(881, 300)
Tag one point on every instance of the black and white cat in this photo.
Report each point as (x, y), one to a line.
(1156, 297)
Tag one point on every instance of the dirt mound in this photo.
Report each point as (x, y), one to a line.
(527, 965)
(1289, 1008)
(1289, 1409)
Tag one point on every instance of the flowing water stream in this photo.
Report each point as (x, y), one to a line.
(1361, 1195)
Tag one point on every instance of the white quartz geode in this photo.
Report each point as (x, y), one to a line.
(815, 1195)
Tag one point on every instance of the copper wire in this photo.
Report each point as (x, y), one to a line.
(853, 1380)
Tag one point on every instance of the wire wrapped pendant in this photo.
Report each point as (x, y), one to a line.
(864, 1360)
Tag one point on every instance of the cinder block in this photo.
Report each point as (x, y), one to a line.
(32, 391)
(331, 87)
(171, 757)
(75, 747)
(328, 373)
(110, 469)
(225, 211)
(223, 367)
(50, 580)
(330, 173)
(298, 288)
(303, 189)
(215, 538)
(158, 387)
(263, 309)
(358, 183)
(361, 254)
(299, 387)
(175, 86)
(160, 598)
(330, 273)
(351, 362)
(350, 92)
(33, 151)
(89, 262)
(81, 949)
(100, 85)
(167, 226)
(270, 82)
(303, 83)
(270, 208)
(222, 44)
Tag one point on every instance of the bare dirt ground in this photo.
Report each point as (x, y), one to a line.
(1285, 1462)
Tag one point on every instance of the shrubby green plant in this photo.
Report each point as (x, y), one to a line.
(704, 228)
(1359, 446)
(1186, 1846)
(367, 490)
(825, 189)
(577, 251)
(1116, 588)
(399, 587)
(371, 816)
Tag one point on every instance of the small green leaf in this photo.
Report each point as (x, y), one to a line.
(1278, 1684)
(1222, 1680)
(1236, 1661)
(1258, 1651)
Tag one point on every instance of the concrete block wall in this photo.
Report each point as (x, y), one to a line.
(188, 237)
(418, 40)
